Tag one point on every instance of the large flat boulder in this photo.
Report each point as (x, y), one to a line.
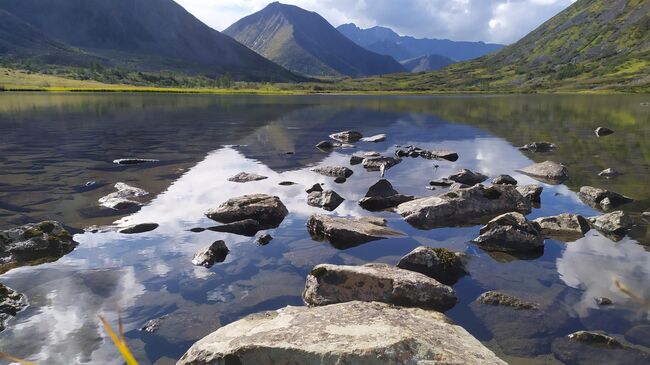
(601, 198)
(549, 172)
(329, 284)
(267, 210)
(613, 224)
(346, 333)
(463, 206)
(333, 171)
(564, 226)
(348, 232)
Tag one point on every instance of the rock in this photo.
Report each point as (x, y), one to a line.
(267, 210)
(645, 216)
(595, 339)
(139, 228)
(347, 136)
(244, 227)
(287, 183)
(548, 172)
(439, 155)
(639, 335)
(504, 180)
(315, 187)
(645, 104)
(563, 226)
(197, 230)
(468, 177)
(458, 186)
(355, 160)
(372, 154)
(34, 241)
(345, 333)
(209, 256)
(379, 163)
(329, 284)
(121, 199)
(326, 145)
(333, 171)
(244, 177)
(439, 263)
(134, 161)
(615, 223)
(500, 299)
(602, 301)
(603, 131)
(382, 196)
(340, 180)
(510, 232)
(463, 206)
(539, 147)
(153, 325)
(375, 138)
(328, 199)
(609, 173)
(443, 183)
(11, 302)
(348, 232)
(531, 192)
(264, 239)
(601, 198)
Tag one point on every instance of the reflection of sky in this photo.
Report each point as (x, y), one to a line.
(150, 274)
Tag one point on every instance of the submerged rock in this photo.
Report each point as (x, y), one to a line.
(122, 198)
(510, 232)
(329, 284)
(379, 163)
(287, 183)
(340, 180)
(244, 177)
(439, 155)
(209, 256)
(347, 136)
(244, 227)
(615, 223)
(348, 232)
(345, 333)
(34, 241)
(139, 228)
(609, 173)
(532, 193)
(134, 161)
(539, 147)
(563, 226)
(355, 160)
(504, 180)
(549, 172)
(586, 347)
(326, 145)
(382, 196)
(603, 301)
(603, 131)
(595, 339)
(375, 138)
(333, 171)
(463, 206)
(500, 299)
(601, 198)
(468, 177)
(264, 239)
(11, 302)
(153, 325)
(267, 210)
(439, 263)
(328, 199)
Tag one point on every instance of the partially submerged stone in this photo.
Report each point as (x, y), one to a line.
(504, 180)
(549, 172)
(244, 227)
(328, 199)
(615, 223)
(346, 333)
(609, 173)
(439, 263)
(595, 339)
(34, 241)
(333, 171)
(539, 147)
(267, 210)
(463, 206)
(468, 177)
(209, 256)
(123, 197)
(11, 302)
(348, 232)
(510, 232)
(347, 136)
(602, 198)
(379, 163)
(496, 298)
(381, 196)
(315, 187)
(134, 161)
(375, 138)
(244, 177)
(532, 193)
(603, 301)
(264, 239)
(329, 284)
(355, 160)
(139, 228)
(603, 131)
(563, 226)
(439, 155)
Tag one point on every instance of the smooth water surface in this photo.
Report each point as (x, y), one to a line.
(52, 144)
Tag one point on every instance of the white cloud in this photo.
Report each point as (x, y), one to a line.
(502, 21)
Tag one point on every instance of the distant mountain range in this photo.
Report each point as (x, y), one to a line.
(144, 35)
(385, 41)
(427, 63)
(306, 43)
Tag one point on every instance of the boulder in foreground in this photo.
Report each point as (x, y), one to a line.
(346, 333)
(329, 284)
(510, 232)
(348, 232)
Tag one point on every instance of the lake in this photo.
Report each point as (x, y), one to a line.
(51, 145)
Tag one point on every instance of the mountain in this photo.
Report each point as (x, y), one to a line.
(146, 35)
(372, 38)
(306, 43)
(427, 63)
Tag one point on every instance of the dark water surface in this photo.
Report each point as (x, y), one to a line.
(51, 145)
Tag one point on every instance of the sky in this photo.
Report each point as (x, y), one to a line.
(498, 21)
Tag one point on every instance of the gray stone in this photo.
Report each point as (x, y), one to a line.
(539, 147)
(267, 210)
(439, 263)
(504, 180)
(34, 241)
(347, 136)
(355, 160)
(609, 173)
(603, 301)
(463, 206)
(123, 197)
(510, 232)
(287, 183)
(348, 232)
(139, 228)
(11, 302)
(439, 155)
(468, 177)
(614, 223)
(340, 180)
(153, 325)
(326, 145)
(531, 192)
(500, 299)
(134, 161)
(244, 227)
(564, 226)
(379, 163)
(329, 284)
(595, 339)
(548, 172)
(375, 138)
(333, 171)
(443, 183)
(328, 199)
(244, 177)
(603, 131)
(264, 239)
(382, 196)
(347, 333)
(601, 198)
(315, 187)
(209, 256)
